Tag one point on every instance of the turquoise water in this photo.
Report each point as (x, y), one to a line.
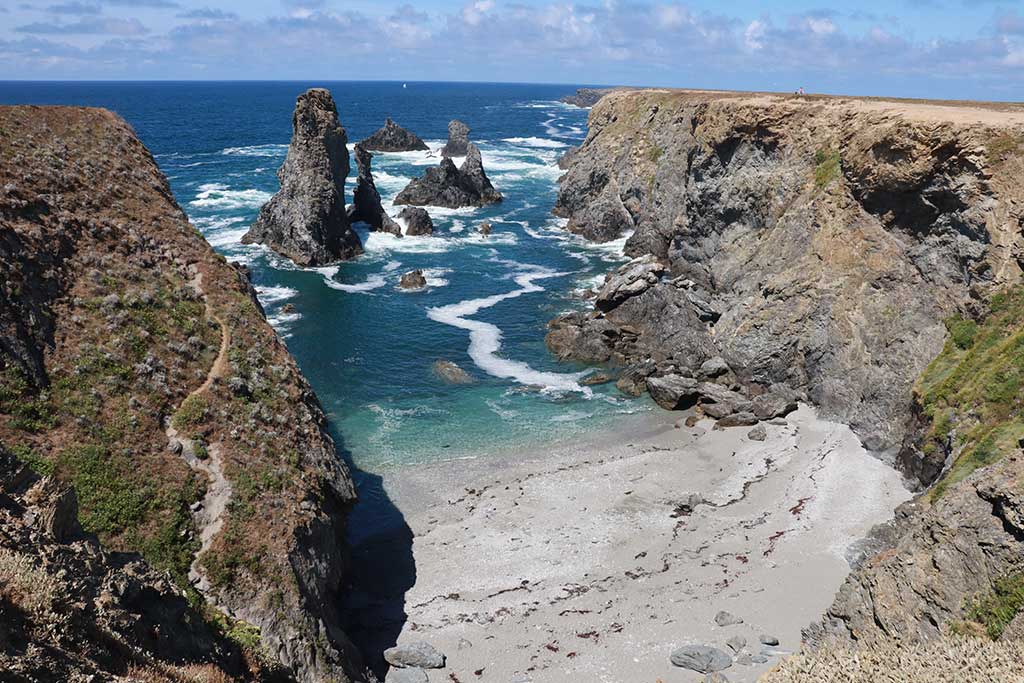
(366, 346)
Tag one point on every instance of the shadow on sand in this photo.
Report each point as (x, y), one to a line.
(381, 569)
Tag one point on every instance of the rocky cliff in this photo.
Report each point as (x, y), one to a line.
(864, 253)
(813, 243)
(306, 219)
(138, 370)
(366, 206)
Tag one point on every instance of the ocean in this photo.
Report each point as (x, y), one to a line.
(366, 346)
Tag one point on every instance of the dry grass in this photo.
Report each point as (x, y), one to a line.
(192, 673)
(950, 660)
(26, 585)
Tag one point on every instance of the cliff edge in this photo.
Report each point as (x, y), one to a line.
(137, 368)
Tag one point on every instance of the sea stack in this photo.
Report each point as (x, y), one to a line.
(306, 220)
(366, 206)
(393, 138)
(450, 186)
(458, 140)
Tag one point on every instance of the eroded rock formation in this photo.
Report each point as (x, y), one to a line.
(306, 220)
(148, 378)
(393, 138)
(451, 186)
(417, 221)
(458, 140)
(366, 206)
(815, 244)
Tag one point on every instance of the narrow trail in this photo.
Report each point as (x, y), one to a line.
(209, 515)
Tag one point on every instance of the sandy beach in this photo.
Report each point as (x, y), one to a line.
(598, 559)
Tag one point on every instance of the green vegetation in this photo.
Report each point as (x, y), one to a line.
(33, 460)
(191, 413)
(27, 411)
(975, 389)
(995, 610)
(110, 502)
(1003, 146)
(224, 565)
(827, 167)
(654, 153)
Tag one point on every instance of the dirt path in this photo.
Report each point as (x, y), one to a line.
(209, 516)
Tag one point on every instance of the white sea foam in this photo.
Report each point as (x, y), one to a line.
(218, 196)
(436, 276)
(543, 143)
(226, 238)
(485, 338)
(257, 151)
(392, 266)
(371, 283)
(270, 295)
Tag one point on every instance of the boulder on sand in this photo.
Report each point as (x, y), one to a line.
(673, 392)
(366, 206)
(393, 138)
(414, 655)
(450, 186)
(458, 140)
(417, 221)
(306, 220)
(701, 658)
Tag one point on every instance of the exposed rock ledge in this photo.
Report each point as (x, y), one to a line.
(306, 219)
(816, 243)
(119, 322)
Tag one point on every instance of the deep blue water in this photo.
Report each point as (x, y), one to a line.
(367, 347)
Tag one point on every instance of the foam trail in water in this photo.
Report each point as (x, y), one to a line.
(373, 282)
(485, 338)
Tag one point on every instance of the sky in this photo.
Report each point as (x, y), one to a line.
(948, 49)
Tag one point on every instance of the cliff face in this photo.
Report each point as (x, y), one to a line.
(815, 243)
(866, 253)
(137, 368)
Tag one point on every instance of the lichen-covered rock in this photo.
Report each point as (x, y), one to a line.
(393, 138)
(458, 140)
(450, 186)
(306, 220)
(366, 206)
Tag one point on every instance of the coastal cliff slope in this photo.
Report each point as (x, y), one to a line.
(136, 367)
(865, 253)
(819, 243)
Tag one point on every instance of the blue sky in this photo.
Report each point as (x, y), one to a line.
(963, 49)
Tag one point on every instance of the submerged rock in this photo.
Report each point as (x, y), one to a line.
(450, 186)
(414, 655)
(701, 658)
(414, 279)
(393, 138)
(306, 220)
(417, 221)
(451, 373)
(366, 206)
(458, 140)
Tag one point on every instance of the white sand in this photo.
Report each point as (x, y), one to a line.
(572, 565)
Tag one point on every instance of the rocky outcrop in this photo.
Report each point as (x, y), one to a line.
(414, 279)
(69, 610)
(417, 221)
(306, 220)
(393, 138)
(366, 206)
(937, 557)
(148, 340)
(452, 187)
(587, 97)
(818, 244)
(458, 140)
(451, 373)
